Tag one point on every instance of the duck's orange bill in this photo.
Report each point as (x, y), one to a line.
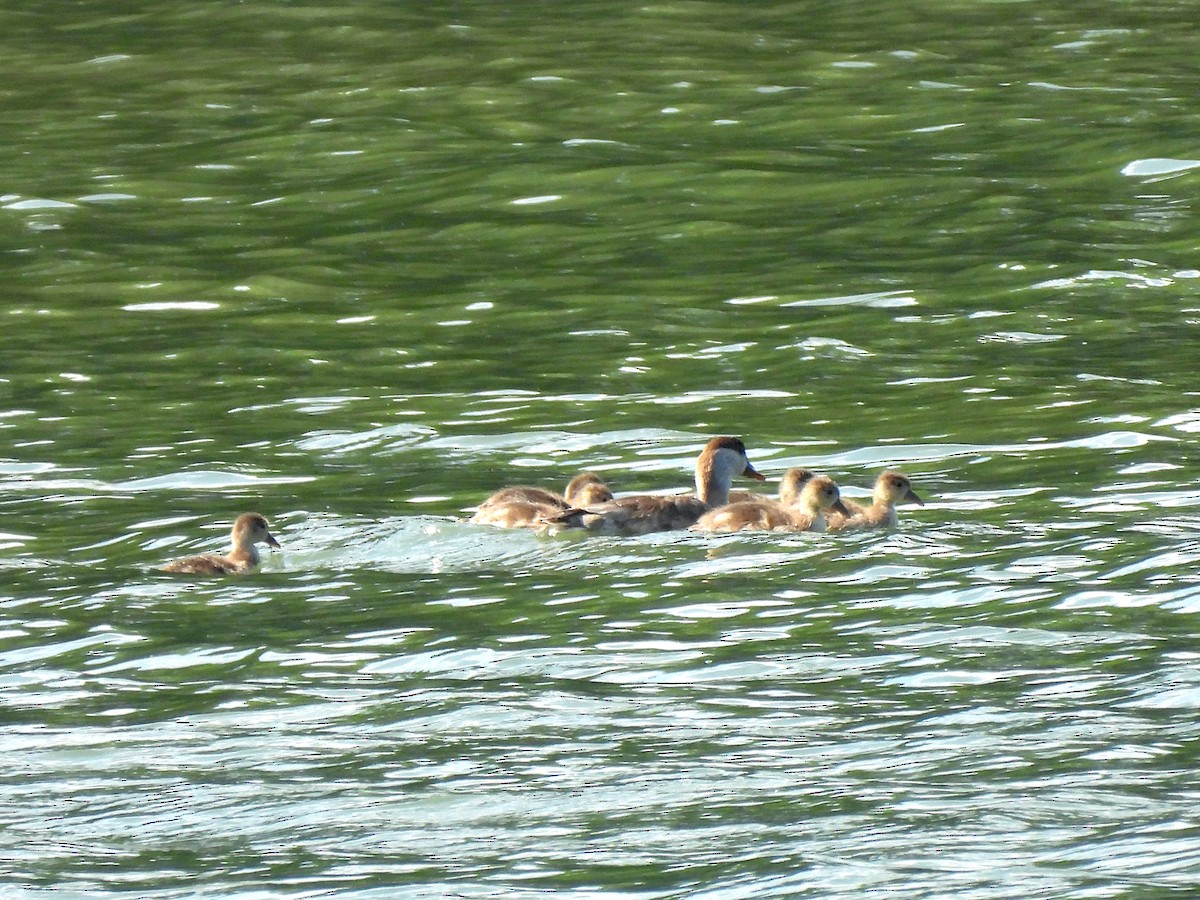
(752, 472)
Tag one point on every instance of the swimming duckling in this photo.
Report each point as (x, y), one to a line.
(891, 487)
(721, 459)
(790, 485)
(521, 506)
(584, 484)
(248, 530)
(805, 512)
(585, 489)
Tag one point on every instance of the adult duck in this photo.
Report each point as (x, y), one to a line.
(721, 460)
(522, 506)
(249, 529)
(891, 487)
(804, 510)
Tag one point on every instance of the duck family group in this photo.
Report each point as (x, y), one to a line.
(806, 502)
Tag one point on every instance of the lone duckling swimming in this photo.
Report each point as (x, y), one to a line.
(891, 487)
(521, 506)
(719, 462)
(248, 530)
(804, 511)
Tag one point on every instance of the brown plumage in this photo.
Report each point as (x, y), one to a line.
(805, 511)
(521, 506)
(790, 485)
(248, 530)
(722, 459)
(891, 487)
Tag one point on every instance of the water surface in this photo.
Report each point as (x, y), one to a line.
(357, 267)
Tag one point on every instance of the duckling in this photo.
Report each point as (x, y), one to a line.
(721, 459)
(804, 512)
(586, 489)
(521, 506)
(790, 485)
(248, 530)
(891, 487)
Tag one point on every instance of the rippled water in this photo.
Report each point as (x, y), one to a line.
(358, 266)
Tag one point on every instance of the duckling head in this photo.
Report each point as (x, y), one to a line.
(891, 487)
(820, 494)
(251, 529)
(587, 489)
(793, 483)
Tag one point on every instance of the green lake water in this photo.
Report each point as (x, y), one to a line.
(357, 265)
